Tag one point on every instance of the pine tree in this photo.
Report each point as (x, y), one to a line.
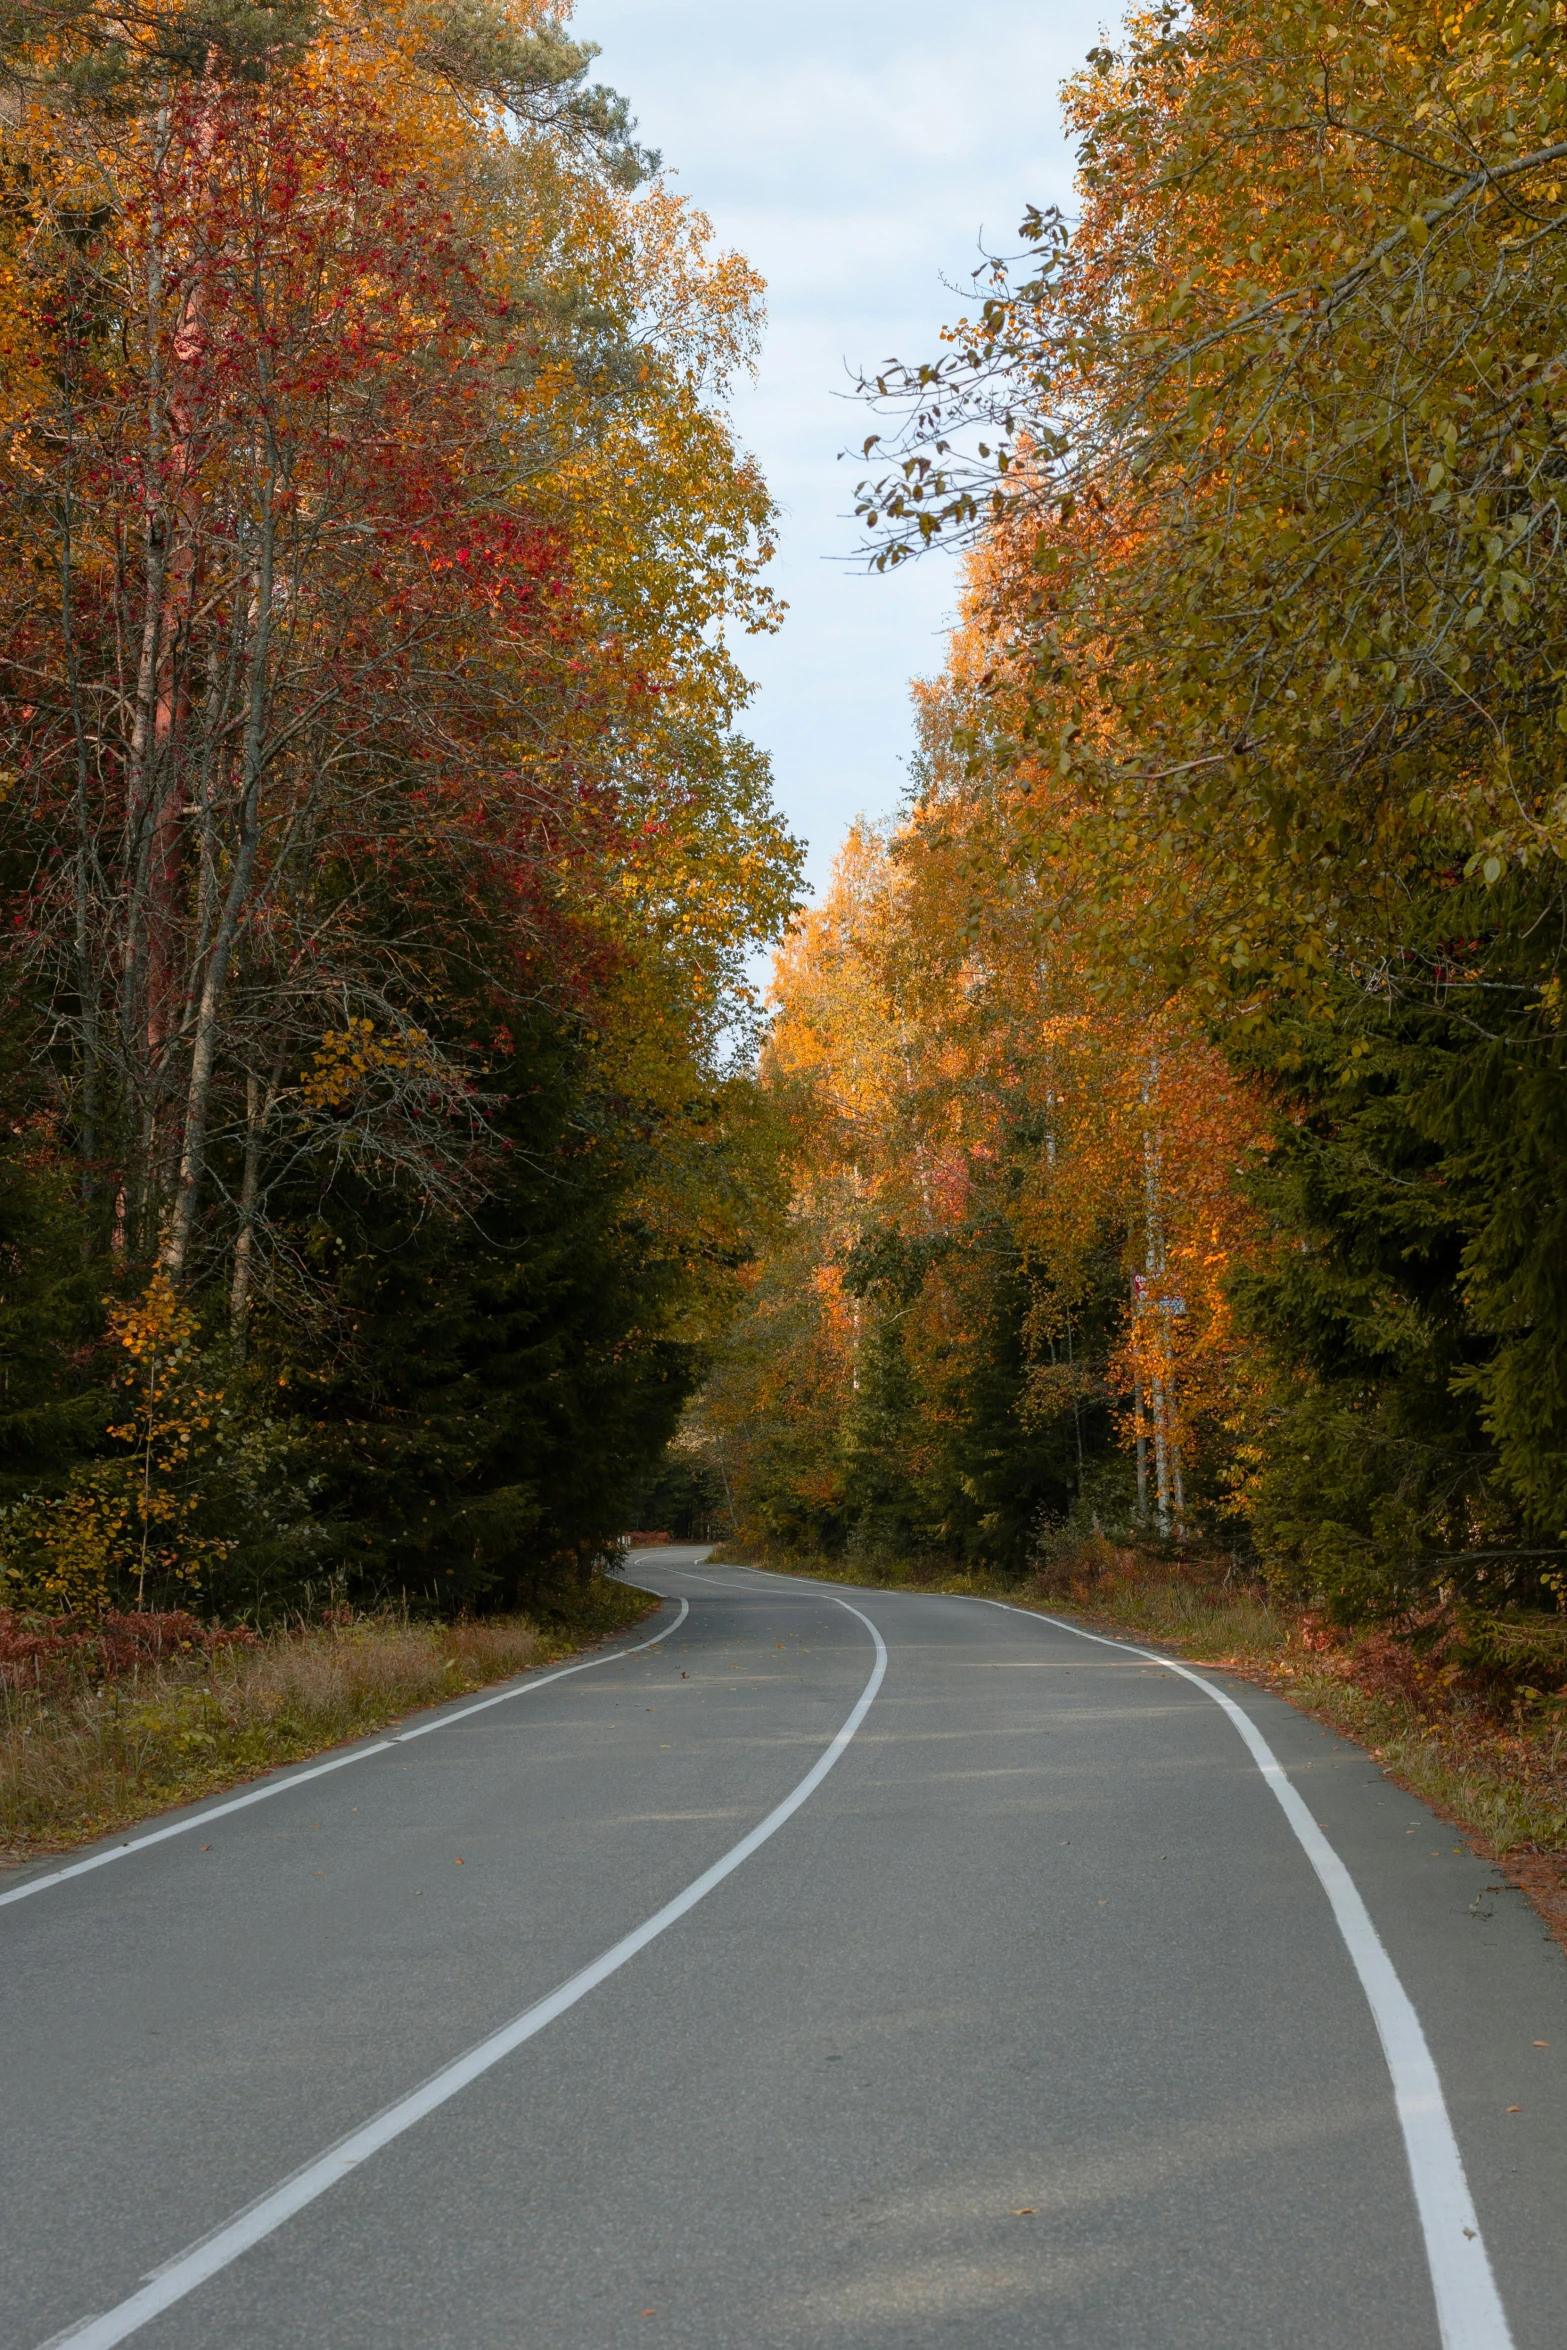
(506, 1376)
(1415, 1299)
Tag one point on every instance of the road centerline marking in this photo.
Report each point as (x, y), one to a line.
(210, 2254)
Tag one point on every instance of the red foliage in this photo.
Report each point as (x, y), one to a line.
(335, 387)
(50, 1652)
(1381, 1663)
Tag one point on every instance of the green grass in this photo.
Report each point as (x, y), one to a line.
(883, 1576)
(1508, 1789)
(102, 1755)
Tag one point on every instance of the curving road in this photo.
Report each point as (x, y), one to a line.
(817, 1969)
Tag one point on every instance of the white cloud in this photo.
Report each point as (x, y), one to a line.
(854, 150)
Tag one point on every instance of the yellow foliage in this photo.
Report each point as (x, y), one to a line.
(61, 1553)
(348, 1058)
(168, 1412)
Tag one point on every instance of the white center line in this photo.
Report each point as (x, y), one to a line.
(205, 2259)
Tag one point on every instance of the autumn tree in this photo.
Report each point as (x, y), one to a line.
(1278, 419)
(374, 545)
(1003, 1272)
(1261, 459)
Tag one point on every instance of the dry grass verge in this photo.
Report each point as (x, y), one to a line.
(101, 1752)
(1499, 1776)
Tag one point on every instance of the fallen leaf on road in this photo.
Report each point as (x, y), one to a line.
(1515, 2109)
(1027, 2212)
(1542, 2044)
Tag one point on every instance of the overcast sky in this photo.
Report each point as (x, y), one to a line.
(856, 151)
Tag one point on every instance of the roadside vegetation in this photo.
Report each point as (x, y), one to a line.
(105, 1724)
(380, 851)
(1175, 1092)
(1155, 1149)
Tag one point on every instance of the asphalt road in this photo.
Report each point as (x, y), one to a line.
(1031, 2023)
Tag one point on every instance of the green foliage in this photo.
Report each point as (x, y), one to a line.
(52, 1390)
(1279, 420)
(1414, 1303)
(1260, 458)
(539, 75)
(371, 1185)
(970, 1474)
(948, 1461)
(123, 58)
(496, 1382)
(684, 1497)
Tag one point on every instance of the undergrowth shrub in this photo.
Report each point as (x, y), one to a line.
(103, 1723)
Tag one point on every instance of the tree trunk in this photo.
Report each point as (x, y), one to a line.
(203, 1058)
(259, 1101)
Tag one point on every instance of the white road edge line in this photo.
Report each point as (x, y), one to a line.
(215, 2252)
(1468, 2306)
(339, 1762)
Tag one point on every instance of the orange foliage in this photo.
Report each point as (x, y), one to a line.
(978, 1089)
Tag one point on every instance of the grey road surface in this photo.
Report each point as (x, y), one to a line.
(1031, 2025)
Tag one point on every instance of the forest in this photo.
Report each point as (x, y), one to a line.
(738, 1614)
(1155, 1136)
(380, 846)
(1175, 1090)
